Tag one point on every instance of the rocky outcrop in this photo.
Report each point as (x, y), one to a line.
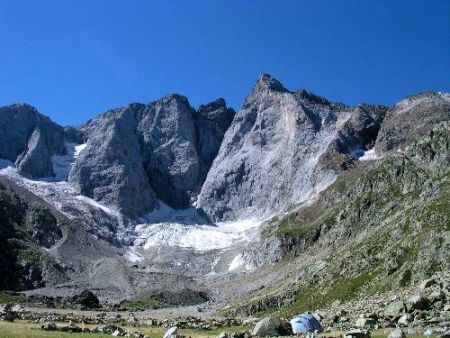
(277, 150)
(140, 154)
(212, 121)
(412, 118)
(26, 227)
(29, 139)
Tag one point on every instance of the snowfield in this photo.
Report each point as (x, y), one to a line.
(187, 229)
(63, 163)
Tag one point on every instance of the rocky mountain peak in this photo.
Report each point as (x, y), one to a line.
(267, 82)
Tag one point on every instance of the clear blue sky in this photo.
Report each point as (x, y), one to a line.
(74, 59)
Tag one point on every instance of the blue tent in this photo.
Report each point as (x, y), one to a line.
(305, 323)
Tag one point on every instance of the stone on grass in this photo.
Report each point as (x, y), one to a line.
(397, 333)
(395, 309)
(357, 333)
(272, 326)
(172, 332)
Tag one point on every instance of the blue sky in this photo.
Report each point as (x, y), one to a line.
(74, 59)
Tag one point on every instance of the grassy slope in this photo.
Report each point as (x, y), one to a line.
(383, 229)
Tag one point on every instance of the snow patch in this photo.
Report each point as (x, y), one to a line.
(365, 155)
(238, 262)
(63, 163)
(97, 205)
(132, 255)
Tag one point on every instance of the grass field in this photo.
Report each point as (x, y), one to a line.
(21, 329)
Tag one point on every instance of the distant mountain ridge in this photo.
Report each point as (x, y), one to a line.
(282, 148)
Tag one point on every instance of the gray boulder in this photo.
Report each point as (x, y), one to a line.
(397, 333)
(395, 309)
(272, 326)
(172, 332)
(357, 333)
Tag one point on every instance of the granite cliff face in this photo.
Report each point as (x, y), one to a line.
(140, 154)
(29, 139)
(283, 148)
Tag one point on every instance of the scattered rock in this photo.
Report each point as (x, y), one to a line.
(397, 333)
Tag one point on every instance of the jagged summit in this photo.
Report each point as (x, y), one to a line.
(267, 82)
(167, 150)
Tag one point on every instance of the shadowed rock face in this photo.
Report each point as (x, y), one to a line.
(141, 153)
(271, 155)
(29, 139)
(110, 168)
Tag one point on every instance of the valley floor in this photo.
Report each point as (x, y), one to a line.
(21, 329)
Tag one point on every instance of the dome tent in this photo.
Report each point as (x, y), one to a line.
(305, 322)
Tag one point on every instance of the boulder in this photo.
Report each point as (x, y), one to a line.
(172, 332)
(272, 326)
(419, 302)
(395, 309)
(396, 333)
(357, 333)
(405, 320)
(49, 326)
(365, 322)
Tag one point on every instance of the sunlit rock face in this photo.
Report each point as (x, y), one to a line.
(278, 150)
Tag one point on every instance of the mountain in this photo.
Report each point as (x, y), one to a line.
(278, 150)
(140, 154)
(250, 210)
(29, 139)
